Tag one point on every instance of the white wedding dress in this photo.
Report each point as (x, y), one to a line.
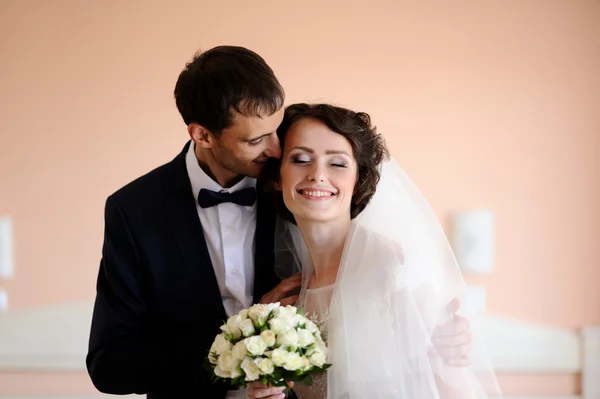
(316, 308)
(396, 276)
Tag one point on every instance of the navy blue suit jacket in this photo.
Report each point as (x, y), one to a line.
(158, 305)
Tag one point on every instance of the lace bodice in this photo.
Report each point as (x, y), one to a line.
(316, 308)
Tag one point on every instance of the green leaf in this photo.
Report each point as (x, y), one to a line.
(207, 365)
(278, 373)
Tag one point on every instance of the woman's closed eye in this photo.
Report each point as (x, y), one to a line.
(301, 159)
(305, 160)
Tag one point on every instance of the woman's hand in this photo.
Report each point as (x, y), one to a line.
(259, 390)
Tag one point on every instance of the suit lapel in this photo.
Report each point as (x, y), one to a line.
(264, 276)
(187, 230)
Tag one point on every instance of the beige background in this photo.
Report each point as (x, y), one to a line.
(485, 104)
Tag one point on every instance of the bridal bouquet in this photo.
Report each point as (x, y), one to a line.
(270, 343)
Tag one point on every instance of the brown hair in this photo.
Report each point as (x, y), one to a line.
(368, 148)
(226, 79)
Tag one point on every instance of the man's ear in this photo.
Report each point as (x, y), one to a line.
(200, 135)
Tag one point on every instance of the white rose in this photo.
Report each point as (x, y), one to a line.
(233, 323)
(255, 345)
(266, 366)
(305, 364)
(290, 317)
(279, 357)
(219, 346)
(243, 314)
(305, 338)
(269, 337)
(251, 369)
(291, 309)
(297, 320)
(318, 346)
(247, 328)
(284, 312)
(226, 331)
(288, 340)
(294, 362)
(311, 327)
(236, 372)
(221, 373)
(322, 345)
(317, 358)
(259, 314)
(273, 306)
(239, 351)
(279, 325)
(228, 363)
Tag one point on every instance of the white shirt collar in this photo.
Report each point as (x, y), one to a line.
(199, 179)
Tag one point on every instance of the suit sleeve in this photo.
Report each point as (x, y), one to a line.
(124, 357)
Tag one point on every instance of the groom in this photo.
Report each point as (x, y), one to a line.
(191, 242)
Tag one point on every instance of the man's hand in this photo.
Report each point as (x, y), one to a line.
(452, 341)
(281, 291)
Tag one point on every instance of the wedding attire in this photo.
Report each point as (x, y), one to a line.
(180, 255)
(396, 276)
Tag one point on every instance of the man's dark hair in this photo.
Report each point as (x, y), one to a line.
(225, 79)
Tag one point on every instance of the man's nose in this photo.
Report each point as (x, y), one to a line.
(274, 147)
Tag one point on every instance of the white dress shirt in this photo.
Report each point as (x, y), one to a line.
(229, 233)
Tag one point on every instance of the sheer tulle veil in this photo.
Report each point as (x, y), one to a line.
(396, 278)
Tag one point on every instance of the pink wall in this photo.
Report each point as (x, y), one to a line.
(486, 104)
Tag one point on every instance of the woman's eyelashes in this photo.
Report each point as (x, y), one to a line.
(301, 159)
(305, 159)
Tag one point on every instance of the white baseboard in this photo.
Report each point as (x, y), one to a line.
(55, 338)
(540, 397)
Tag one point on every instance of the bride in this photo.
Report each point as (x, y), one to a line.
(377, 270)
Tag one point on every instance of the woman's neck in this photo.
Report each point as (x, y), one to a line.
(325, 243)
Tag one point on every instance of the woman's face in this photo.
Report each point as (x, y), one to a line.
(318, 172)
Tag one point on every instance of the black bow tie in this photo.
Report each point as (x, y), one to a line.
(208, 198)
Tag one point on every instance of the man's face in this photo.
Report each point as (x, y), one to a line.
(245, 146)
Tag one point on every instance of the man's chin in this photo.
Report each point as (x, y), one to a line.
(255, 169)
